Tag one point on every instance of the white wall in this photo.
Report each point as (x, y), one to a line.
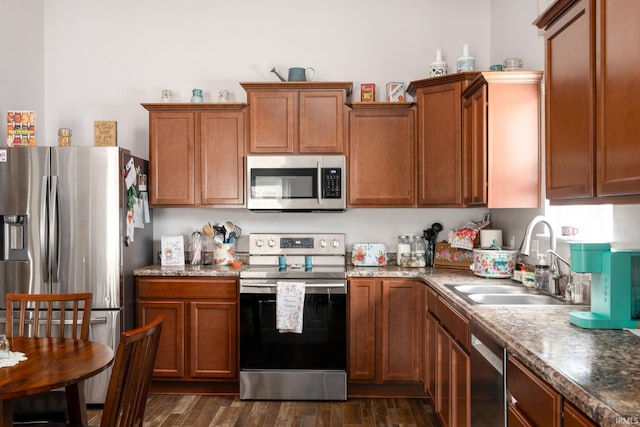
(118, 54)
(22, 53)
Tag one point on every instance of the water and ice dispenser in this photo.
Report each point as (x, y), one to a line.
(13, 238)
(615, 286)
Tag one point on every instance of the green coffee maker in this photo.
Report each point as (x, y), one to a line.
(615, 286)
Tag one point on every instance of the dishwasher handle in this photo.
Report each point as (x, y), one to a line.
(493, 359)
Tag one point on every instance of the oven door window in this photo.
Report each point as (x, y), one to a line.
(286, 183)
(322, 344)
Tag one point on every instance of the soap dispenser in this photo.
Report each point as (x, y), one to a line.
(541, 274)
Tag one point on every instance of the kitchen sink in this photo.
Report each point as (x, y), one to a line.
(489, 294)
(490, 289)
(514, 299)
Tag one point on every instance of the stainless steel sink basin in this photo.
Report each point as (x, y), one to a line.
(490, 289)
(514, 299)
(498, 294)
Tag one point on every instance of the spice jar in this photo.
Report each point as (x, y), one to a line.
(64, 137)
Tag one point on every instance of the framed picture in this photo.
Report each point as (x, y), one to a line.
(486, 218)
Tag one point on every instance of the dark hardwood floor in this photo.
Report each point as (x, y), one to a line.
(165, 410)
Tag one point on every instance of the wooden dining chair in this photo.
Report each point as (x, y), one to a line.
(130, 378)
(40, 316)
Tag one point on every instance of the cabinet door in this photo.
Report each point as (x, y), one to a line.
(573, 417)
(172, 158)
(570, 104)
(443, 375)
(474, 153)
(532, 396)
(171, 348)
(515, 418)
(440, 145)
(382, 157)
(272, 121)
(618, 89)
(430, 354)
(213, 339)
(363, 297)
(222, 157)
(401, 307)
(321, 121)
(460, 386)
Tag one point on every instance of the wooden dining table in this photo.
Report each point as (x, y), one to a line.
(52, 363)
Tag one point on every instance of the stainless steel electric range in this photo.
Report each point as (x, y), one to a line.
(310, 365)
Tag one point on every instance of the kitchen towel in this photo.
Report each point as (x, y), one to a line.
(289, 306)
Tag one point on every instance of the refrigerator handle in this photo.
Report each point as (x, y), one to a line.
(44, 252)
(54, 251)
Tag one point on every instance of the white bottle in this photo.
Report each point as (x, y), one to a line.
(438, 67)
(466, 62)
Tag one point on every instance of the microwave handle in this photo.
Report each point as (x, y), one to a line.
(319, 183)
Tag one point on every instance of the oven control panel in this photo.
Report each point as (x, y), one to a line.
(289, 243)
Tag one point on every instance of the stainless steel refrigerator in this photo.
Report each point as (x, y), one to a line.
(63, 222)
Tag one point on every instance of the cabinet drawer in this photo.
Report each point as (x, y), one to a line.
(189, 288)
(453, 322)
(432, 301)
(533, 397)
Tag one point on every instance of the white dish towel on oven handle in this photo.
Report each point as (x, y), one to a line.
(289, 306)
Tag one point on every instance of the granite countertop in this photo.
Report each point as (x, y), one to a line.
(596, 370)
(158, 270)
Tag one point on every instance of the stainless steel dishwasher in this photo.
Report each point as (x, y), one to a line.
(488, 385)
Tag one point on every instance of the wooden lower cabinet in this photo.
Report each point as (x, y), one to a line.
(532, 401)
(573, 417)
(199, 339)
(385, 330)
(448, 363)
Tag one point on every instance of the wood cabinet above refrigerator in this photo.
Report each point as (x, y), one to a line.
(196, 154)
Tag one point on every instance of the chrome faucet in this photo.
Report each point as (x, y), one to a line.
(525, 249)
(525, 246)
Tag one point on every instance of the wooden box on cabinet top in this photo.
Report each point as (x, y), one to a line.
(196, 154)
(297, 117)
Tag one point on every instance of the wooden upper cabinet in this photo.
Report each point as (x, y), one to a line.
(172, 145)
(297, 117)
(439, 156)
(592, 122)
(501, 140)
(196, 154)
(382, 148)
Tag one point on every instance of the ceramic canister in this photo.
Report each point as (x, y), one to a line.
(492, 263)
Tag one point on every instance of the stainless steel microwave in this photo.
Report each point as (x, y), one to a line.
(302, 183)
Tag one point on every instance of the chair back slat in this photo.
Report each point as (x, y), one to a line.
(40, 310)
(131, 376)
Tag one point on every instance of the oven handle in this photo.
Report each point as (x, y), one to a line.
(262, 287)
(319, 183)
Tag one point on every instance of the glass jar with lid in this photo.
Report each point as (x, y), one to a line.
(418, 250)
(404, 247)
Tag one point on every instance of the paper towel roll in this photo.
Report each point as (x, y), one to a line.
(488, 236)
